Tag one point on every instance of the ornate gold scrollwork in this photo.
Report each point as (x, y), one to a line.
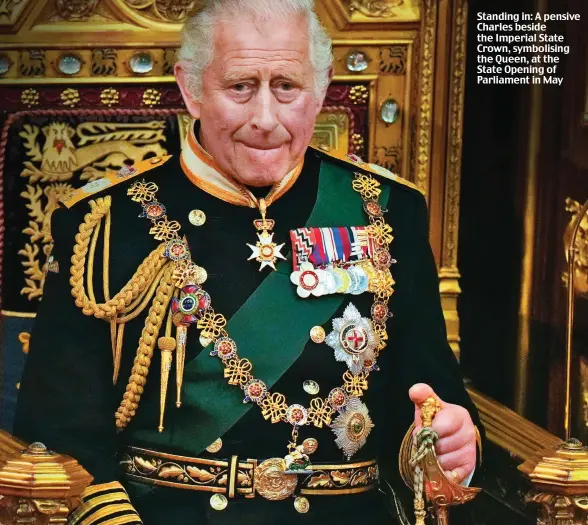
(581, 261)
(76, 9)
(164, 10)
(375, 8)
(92, 147)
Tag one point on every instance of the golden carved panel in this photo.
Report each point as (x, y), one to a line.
(370, 10)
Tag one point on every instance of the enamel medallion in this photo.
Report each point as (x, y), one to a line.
(353, 339)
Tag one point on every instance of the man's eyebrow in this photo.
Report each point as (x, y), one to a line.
(242, 75)
(238, 75)
(296, 78)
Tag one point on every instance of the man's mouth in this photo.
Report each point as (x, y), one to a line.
(262, 147)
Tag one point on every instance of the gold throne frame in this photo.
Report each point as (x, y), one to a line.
(427, 81)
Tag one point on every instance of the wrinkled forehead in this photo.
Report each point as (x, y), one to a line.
(276, 41)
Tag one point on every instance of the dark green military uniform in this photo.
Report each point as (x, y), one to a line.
(67, 399)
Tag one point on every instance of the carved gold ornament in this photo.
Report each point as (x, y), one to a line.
(164, 10)
(581, 246)
(70, 97)
(375, 8)
(151, 97)
(109, 97)
(30, 97)
(75, 9)
(7, 7)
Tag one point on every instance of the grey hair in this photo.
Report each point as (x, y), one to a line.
(198, 36)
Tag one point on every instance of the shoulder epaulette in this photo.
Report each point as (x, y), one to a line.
(358, 163)
(113, 178)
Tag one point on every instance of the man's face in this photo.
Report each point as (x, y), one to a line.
(258, 107)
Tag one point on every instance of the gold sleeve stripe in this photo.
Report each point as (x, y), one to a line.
(112, 179)
(124, 512)
(94, 489)
(116, 497)
(122, 520)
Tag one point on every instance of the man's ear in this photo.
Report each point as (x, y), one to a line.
(181, 73)
(323, 95)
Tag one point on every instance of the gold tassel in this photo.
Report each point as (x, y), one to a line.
(181, 338)
(167, 345)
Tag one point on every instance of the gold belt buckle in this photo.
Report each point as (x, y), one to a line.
(271, 482)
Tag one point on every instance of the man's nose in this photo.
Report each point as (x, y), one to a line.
(264, 117)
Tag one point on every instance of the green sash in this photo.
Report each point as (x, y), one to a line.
(271, 329)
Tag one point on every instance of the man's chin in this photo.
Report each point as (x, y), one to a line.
(262, 176)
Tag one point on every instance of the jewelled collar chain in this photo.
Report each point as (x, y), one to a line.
(191, 305)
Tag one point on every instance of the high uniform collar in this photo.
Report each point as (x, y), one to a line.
(204, 172)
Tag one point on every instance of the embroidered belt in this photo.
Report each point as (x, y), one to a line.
(237, 477)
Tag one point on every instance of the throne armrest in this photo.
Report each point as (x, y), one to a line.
(37, 486)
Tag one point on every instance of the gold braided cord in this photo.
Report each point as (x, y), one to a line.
(147, 342)
(142, 301)
(106, 257)
(140, 281)
(91, 255)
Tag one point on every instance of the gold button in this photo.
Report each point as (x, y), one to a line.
(216, 445)
(197, 217)
(317, 334)
(201, 275)
(301, 505)
(218, 502)
(205, 341)
(311, 387)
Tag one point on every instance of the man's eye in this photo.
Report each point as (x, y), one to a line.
(286, 86)
(240, 87)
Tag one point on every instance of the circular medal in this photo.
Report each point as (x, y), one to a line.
(197, 217)
(215, 446)
(311, 387)
(310, 446)
(354, 339)
(344, 278)
(362, 280)
(154, 210)
(382, 259)
(337, 398)
(176, 250)
(255, 390)
(218, 502)
(309, 280)
(297, 415)
(317, 334)
(373, 208)
(329, 282)
(225, 348)
(301, 505)
(380, 311)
